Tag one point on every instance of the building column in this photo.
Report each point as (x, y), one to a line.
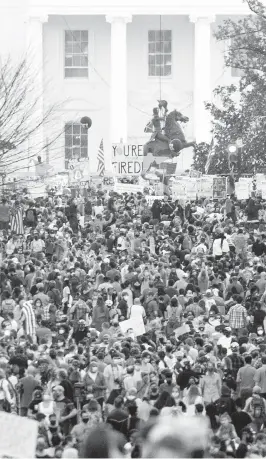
(202, 76)
(118, 90)
(34, 43)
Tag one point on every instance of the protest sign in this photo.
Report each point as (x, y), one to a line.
(178, 190)
(182, 330)
(135, 323)
(18, 436)
(205, 187)
(242, 189)
(191, 188)
(127, 188)
(219, 187)
(150, 199)
(127, 159)
(263, 189)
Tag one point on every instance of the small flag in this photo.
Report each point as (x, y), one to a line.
(100, 158)
(210, 154)
(16, 220)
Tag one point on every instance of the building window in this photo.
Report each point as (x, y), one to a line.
(76, 142)
(160, 52)
(76, 53)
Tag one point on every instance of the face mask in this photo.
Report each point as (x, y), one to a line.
(85, 420)
(116, 361)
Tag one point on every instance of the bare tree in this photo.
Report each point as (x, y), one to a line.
(20, 117)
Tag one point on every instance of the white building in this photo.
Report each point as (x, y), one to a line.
(102, 59)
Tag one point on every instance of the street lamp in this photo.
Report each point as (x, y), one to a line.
(232, 156)
(86, 122)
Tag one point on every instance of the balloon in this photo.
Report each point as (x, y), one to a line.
(86, 120)
(175, 145)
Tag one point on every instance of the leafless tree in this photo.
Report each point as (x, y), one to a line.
(20, 117)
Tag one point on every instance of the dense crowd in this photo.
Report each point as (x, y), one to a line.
(192, 275)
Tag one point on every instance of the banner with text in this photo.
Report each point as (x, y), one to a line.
(127, 188)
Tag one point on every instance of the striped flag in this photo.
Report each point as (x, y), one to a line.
(100, 158)
(16, 220)
(210, 154)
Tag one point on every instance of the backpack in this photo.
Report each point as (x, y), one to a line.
(221, 406)
(30, 216)
(257, 402)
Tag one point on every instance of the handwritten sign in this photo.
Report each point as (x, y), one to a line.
(18, 436)
(127, 159)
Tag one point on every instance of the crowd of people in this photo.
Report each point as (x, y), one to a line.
(190, 379)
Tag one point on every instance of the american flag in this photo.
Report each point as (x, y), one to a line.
(210, 154)
(16, 220)
(100, 158)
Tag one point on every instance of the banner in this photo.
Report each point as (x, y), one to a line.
(127, 159)
(127, 188)
(219, 187)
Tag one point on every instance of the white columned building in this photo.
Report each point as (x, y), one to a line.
(34, 50)
(118, 90)
(202, 76)
(109, 61)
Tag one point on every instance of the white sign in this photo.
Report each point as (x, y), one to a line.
(127, 159)
(135, 323)
(191, 188)
(18, 436)
(127, 188)
(263, 190)
(150, 199)
(179, 190)
(242, 189)
(205, 187)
